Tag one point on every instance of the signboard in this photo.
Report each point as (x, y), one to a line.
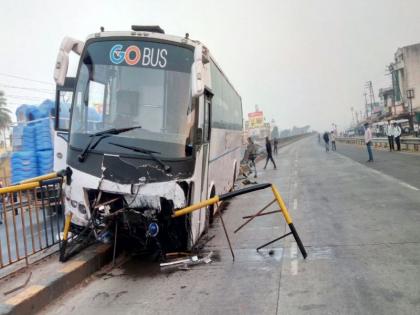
(256, 120)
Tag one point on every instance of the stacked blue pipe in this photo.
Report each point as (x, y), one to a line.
(32, 142)
(24, 165)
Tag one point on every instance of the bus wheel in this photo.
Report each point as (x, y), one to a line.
(210, 211)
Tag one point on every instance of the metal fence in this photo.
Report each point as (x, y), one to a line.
(409, 144)
(32, 218)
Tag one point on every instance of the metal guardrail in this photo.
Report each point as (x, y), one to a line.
(407, 143)
(32, 218)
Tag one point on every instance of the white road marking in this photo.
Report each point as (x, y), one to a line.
(389, 177)
(294, 263)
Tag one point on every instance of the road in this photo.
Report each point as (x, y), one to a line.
(402, 165)
(360, 227)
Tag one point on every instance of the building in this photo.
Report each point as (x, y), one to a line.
(386, 96)
(256, 126)
(405, 71)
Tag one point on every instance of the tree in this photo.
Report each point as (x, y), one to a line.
(5, 119)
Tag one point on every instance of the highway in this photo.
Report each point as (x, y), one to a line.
(358, 221)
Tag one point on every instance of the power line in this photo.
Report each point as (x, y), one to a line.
(25, 97)
(25, 78)
(27, 88)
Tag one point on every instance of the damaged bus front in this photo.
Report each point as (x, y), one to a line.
(134, 144)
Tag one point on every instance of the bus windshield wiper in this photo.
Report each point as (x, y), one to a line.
(150, 153)
(103, 134)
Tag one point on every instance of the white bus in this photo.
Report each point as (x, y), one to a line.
(154, 126)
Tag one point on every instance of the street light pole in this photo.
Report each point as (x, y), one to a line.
(410, 96)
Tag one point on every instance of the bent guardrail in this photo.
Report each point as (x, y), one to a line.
(32, 218)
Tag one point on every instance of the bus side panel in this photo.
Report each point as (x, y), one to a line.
(224, 151)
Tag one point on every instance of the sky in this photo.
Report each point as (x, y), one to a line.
(303, 62)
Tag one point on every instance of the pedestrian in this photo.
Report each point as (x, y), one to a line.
(397, 134)
(390, 135)
(252, 154)
(333, 147)
(327, 141)
(276, 142)
(368, 141)
(269, 153)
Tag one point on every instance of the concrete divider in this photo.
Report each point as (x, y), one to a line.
(41, 290)
(407, 143)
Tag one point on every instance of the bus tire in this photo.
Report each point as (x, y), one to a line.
(210, 209)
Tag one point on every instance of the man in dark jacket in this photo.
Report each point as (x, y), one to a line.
(327, 141)
(269, 153)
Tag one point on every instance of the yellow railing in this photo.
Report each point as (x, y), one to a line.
(31, 217)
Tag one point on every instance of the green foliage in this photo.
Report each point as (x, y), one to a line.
(5, 118)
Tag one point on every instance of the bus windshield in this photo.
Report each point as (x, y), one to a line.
(135, 83)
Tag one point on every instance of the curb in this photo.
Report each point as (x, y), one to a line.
(34, 297)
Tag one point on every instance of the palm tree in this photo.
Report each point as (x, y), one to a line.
(5, 119)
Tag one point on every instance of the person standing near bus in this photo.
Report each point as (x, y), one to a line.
(368, 141)
(332, 137)
(252, 154)
(397, 134)
(390, 135)
(269, 153)
(275, 143)
(327, 141)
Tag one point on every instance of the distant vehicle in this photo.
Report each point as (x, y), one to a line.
(155, 126)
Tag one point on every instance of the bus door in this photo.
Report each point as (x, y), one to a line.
(63, 101)
(206, 152)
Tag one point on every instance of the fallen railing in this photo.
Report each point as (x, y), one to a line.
(32, 218)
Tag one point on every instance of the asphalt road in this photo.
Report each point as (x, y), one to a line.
(360, 227)
(401, 165)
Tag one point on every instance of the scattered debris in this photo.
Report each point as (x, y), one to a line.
(248, 182)
(190, 261)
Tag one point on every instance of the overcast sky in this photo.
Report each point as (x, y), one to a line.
(302, 61)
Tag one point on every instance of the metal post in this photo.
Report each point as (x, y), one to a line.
(410, 96)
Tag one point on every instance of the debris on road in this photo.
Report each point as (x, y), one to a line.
(186, 262)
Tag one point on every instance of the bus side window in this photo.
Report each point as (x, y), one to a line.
(206, 126)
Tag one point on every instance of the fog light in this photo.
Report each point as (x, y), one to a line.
(153, 229)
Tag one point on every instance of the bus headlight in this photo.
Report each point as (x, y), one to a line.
(82, 208)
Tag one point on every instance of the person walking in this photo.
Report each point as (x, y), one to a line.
(327, 141)
(390, 135)
(252, 155)
(397, 134)
(333, 147)
(368, 141)
(275, 143)
(269, 153)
